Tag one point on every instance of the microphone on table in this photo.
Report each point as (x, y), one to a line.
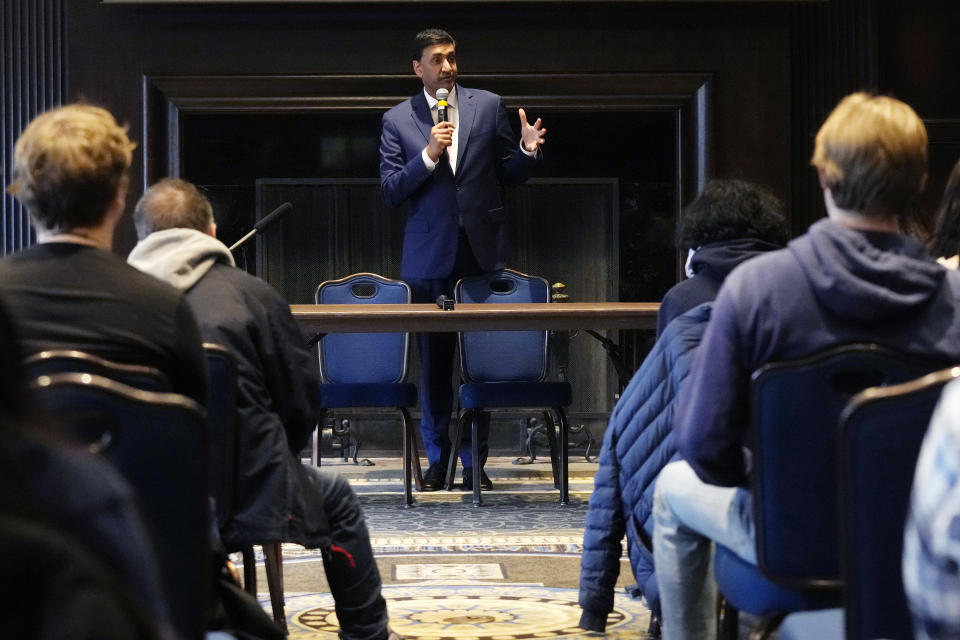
(442, 95)
(263, 223)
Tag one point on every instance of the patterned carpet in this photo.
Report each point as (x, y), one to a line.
(505, 571)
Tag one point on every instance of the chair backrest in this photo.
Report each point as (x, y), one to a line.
(222, 419)
(158, 442)
(795, 408)
(503, 356)
(363, 357)
(72, 361)
(881, 431)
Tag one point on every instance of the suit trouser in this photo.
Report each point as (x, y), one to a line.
(436, 352)
(348, 561)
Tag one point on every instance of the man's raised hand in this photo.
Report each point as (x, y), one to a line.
(531, 135)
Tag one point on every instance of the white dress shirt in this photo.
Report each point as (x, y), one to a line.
(453, 116)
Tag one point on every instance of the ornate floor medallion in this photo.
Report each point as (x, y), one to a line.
(496, 612)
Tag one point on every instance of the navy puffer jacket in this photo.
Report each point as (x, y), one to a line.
(637, 444)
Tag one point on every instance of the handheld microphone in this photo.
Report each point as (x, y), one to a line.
(442, 95)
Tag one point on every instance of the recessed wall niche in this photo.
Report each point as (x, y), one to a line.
(633, 153)
(623, 151)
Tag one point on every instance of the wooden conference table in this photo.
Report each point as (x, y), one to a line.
(363, 318)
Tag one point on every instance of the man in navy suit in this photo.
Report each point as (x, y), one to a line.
(449, 173)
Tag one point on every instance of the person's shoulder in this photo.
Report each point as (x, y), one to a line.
(476, 94)
(250, 286)
(401, 109)
(139, 281)
(766, 270)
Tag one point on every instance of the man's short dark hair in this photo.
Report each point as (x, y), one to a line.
(945, 241)
(428, 38)
(731, 210)
(172, 204)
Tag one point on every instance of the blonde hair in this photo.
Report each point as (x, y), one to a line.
(169, 204)
(68, 165)
(872, 151)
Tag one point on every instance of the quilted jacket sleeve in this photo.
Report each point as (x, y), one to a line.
(602, 536)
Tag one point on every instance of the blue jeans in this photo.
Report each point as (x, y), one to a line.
(689, 515)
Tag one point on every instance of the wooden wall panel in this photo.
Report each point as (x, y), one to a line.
(32, 37)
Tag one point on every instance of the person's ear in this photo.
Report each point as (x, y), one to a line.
(418, 68)
(212, 231)
(822, 178)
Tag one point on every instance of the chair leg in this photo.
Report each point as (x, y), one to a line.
(415, 458)
(563, 459)
(317, 432)
(551, 433)
(273, 560)
(728, 618)
(249, 571)
(407, 459)
(475, 457)
(455, 448)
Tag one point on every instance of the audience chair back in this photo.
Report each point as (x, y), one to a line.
(222, 419)
(506, 369)
(796, 407)
(72, 361)
(369, 369)
(881, 431)
(158, 442)
(221, 416)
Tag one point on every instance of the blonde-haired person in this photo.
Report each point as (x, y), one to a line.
(70, 291)
(853, 277)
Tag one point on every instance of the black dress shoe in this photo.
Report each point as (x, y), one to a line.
(485, 483)
(434, 477)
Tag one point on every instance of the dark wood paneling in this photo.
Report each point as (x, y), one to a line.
(745, 50)
(33, 68)
(834, 54)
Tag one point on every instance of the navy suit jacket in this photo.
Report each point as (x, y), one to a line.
(488, 155)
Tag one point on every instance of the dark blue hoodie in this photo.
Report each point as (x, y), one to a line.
(833, 285)
(711, 264)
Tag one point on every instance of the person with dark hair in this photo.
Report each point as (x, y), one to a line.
(66, 497)
(729, 222)
(277, 499)
(448, 172)
(853, 277)
(69, 291)
(945, 241)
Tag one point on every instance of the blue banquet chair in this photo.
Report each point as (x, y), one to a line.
(507, 370)
(881, 431)
(158, 442)
(360, 370)
(795, 409)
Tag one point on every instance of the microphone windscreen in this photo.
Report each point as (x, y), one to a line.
(442, 94)
(271, 217)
